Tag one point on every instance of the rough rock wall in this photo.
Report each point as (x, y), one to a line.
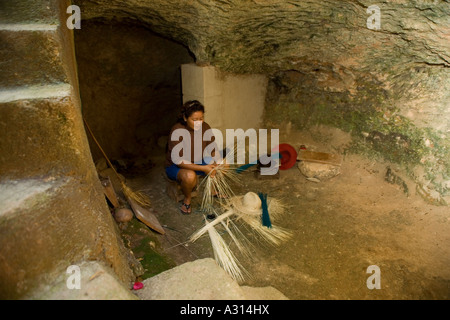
(327, 66)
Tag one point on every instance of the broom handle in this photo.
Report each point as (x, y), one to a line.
(98, 145)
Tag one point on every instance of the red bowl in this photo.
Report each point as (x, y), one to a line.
(288, 155)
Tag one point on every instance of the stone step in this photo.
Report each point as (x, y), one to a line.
(31, 55)
(198, 280)
(201, 279)
(42, 131)
(59, 90)
(19, 195)
(97, 282)
(26, 11)
(46, 226)
(33, 214)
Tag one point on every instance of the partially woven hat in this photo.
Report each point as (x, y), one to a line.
(250, 204)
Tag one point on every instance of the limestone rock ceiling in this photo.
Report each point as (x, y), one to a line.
(328, 42)
(266, 35)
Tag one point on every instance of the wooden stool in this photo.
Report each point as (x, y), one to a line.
(173, 190)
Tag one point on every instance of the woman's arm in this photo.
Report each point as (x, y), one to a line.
(196, 167)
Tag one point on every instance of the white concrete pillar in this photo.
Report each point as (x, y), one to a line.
(201, 83)
(231, 101)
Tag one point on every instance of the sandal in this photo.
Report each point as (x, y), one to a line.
(188, 208)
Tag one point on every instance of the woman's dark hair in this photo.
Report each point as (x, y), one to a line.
(189, 108)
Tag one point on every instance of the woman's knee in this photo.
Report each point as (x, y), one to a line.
(187, 176)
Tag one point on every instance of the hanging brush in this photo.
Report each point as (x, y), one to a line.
(244, 167)
(138, 196)
(265, 211)
(259, 162)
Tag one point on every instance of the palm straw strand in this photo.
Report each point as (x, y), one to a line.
(225, 257)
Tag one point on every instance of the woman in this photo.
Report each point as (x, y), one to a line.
(186, 170)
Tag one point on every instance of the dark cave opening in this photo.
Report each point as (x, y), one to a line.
(130, 86)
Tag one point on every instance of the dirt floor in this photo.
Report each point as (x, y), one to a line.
(340, 227)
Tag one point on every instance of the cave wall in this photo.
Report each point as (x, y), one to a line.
(130, 84)
(386, 86)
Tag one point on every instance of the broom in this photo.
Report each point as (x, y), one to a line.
(138, 196)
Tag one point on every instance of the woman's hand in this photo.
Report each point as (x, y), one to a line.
(210, 169)
(225, 164)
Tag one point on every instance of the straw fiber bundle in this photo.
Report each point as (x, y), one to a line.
(227, 223)
(210, 225)
(225, 257)
(247, 208)
(218, 183)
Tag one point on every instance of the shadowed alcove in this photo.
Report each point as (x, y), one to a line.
(130, 85)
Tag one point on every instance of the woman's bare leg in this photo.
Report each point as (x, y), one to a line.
(188, 181)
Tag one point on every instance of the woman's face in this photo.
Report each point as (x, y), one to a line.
(195, 120)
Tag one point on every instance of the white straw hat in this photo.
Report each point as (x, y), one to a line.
(250, 203)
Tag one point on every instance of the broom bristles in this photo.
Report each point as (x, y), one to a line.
(222, 254)
(274, 234)
(137, 196)
(220, 184)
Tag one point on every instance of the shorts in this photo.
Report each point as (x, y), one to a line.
(172, 171)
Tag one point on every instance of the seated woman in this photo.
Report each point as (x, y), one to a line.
(187, 170)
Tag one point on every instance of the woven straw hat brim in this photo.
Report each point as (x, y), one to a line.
(236, 203)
